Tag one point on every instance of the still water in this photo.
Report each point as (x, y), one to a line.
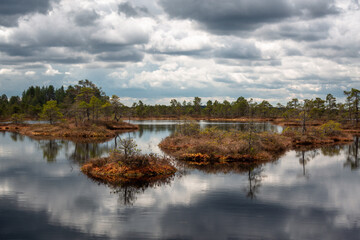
(303, 195)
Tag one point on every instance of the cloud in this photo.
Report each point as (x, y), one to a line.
(354, 5)
(126, 55)
(8, 71)
(50, 71)
(74, 37)
(260, 49)
(238, 50)
(229, 16)
(86, 18)
(30, 73)
(12, 10)
(130, 11)
(309, 31)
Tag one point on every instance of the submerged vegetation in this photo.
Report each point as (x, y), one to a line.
(213, 146)
(126, 163)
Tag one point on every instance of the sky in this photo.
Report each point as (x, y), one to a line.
(157, 50)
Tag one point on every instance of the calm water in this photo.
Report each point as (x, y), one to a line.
(304, 195)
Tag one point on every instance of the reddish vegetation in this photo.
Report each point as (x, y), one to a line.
(216, 146)
(213, 145)
(296, 122)
(116, 168)
(326, 134)
(69, 130)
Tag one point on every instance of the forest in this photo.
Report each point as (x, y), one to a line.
(87, 102)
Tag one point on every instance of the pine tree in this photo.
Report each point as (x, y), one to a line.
(51, 111)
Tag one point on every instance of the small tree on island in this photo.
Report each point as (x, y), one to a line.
(51, 112)
(128, 147)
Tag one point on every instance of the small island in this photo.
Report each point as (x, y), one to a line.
(214, 146)
(69, 130)
(127, 164)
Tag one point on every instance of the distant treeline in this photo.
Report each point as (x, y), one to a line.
(85, 102)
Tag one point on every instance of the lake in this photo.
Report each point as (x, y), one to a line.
(303, 195)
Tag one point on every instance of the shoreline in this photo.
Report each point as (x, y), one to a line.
(89, 132)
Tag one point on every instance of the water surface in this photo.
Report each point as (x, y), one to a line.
(304, 195)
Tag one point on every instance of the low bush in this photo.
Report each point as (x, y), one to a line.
(17, 118)
(331, 128)
(188, 129)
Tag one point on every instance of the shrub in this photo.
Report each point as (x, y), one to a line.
(17, 118)
(188, 129)
(291, 132)
(330, 128)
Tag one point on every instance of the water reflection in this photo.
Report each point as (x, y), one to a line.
(17, 137)
(305, 157)
(154, 129)
(352, 155)
(267, 202)
(157, 126)
(128, 190)
(82, 152)
(331, 151)
(254, 177)
(51, 149)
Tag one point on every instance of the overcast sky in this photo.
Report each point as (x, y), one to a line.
(156, 50)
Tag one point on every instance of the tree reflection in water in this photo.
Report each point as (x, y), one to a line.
(128, 190)
(254, 177)
(76, 152)
(83, 152)
(17, 137)
(352, 155)
(332, 150)
(50, 149)
(253, 171)
(305, 157)
(155, 129)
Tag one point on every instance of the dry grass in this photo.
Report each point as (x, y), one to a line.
(325, 134)
(213, 145)
(117, 168)
(69, 130)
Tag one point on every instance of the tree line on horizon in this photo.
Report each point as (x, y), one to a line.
(87, 102)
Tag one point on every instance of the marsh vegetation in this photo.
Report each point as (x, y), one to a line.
(212, 145)
(126, 164)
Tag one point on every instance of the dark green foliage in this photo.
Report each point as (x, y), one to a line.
(51, 112)
(87, 102)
